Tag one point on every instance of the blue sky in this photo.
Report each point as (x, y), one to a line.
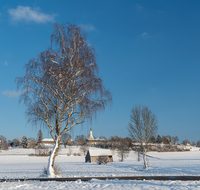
(148, 54)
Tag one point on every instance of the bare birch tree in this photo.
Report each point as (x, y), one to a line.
(175, 139)
(123, 149)
(61, 88)
(142, 126)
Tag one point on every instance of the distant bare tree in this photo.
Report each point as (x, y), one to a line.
(80, 140)
(185, 142)
(142, 126)
(5, 145)
(61, 88)
(114, 142)
(17, 142)
(65, 138)
(2, 140)
(175, 139)
(32, 143)
(84, 149)
(165, 140)
(139, 153)
(169, 138)
(123, 149)
(152, 139)
(128, 141)
(198, 143)
(193, 143)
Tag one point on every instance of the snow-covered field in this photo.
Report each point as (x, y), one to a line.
(16, 163)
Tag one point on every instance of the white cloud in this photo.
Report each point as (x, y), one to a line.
(6, 63)
(144, 34)
(88, 27)
(30, 14)
(11, 94)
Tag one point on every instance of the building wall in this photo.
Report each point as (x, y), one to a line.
(48, 142)
(94, 158)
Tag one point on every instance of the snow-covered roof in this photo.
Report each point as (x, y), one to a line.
(101, 152)
(96, 139)
(48, 139)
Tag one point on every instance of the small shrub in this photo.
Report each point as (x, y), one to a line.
(77, 154)
(103, 160)
(42, 151)
(84, 149)
(167, 148)
(57, 170)
(5, 145)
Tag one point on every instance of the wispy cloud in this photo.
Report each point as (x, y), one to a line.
(88, 27)
(5, 63)
(11, 94)
(144, 34)
(29, 14)
(161, 12)
(138, 7)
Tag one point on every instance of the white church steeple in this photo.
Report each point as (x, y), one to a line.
(90, 136)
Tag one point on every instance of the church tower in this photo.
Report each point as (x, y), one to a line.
(90, 136)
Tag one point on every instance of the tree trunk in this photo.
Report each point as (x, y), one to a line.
(138, 155)
(145, 159)
(50, 170)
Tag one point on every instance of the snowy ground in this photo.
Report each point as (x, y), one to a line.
(108, 184)
(16, 163)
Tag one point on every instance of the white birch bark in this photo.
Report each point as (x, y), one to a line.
(50, 170)
(145, 159)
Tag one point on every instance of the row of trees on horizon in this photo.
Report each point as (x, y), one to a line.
(81, 140)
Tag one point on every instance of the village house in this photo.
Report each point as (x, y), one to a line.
(93, 155)
(48, 141)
